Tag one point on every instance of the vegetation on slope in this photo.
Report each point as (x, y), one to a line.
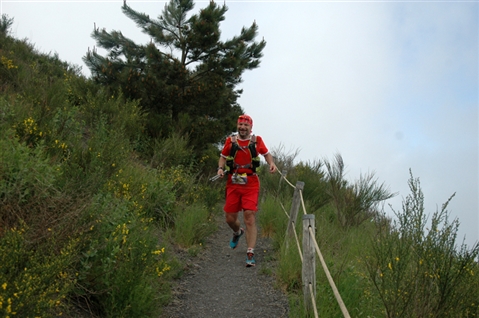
(412, 266)
(88, 202)
(94, 209)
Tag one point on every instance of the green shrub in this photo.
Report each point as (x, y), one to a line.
(24, 172)
(343, 250)
(289, 269)
(274, 184)
(118, 115)
(272, 220)
(7, 116)
(193, 223)
(354, 203)
(122, 269)
(34, 281)
(212, 195)
(419, 271)
(150, 191)
(171, 151)
(207, 161)
(94, 158)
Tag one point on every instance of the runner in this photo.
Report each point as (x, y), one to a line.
(240, 158)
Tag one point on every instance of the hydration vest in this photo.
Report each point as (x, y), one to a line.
(232, 166)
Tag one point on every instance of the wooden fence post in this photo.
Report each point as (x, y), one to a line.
(293, 214)
(309, 261)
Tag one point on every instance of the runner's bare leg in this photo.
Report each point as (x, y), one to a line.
(233, 221)
(251, 230)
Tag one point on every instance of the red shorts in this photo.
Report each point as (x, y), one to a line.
(241, 198)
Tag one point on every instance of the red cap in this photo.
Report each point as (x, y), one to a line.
(245, 119)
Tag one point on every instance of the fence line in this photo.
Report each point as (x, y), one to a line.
(283, 175)
(284, 210)
(309, 289)
(344, 310)
(308, 272)
(302, 202)
(313, 301)
(299, 247)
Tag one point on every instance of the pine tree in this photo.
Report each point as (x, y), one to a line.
(186, 76)
(5, 24)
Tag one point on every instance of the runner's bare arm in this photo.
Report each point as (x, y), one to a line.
(270, 161)
(221, 166)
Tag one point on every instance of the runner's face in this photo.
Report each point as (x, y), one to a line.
(244, 130)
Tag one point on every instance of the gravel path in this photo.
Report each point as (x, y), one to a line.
(219, 284)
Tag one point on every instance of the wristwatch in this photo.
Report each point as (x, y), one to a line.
(221, 168)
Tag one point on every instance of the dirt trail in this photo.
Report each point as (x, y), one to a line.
(220, 285)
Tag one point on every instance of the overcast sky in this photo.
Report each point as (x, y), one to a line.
(389, 85)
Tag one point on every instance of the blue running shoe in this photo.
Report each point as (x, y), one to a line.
(235, 239)
(250, 260)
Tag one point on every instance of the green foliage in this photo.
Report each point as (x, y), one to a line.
(93, 159)
(5, 24)
(150, 191)
(211, 194)
(192, 224)
(208, 161)
(316, 192)
(274, 184)
(406, 271)
(126, 117)
(343, 251)
(25, 173)
(121, 271)
(21, 66)
(92, 202)
(34, 282)
(171, 151)
(83, 215)
(186, 77)
(420, 271)
(355, 203)
(272, 220)
(289, 269)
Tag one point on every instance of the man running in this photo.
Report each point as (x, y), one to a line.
(240, 157)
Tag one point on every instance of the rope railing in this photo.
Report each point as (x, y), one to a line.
(302, 202)
(313, 301)
(283, 176)
(284, 210)
(298, 198)
(344, 310)
(299, 247)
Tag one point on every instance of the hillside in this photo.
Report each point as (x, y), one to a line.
(101, 218)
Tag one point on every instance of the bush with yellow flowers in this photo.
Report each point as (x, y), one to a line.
(34, 282)
(123, 268)
(417, 266)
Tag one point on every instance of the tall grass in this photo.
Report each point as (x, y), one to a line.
(193, 223)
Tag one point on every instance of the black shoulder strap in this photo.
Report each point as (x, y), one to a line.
(234, 145)
(252, 146)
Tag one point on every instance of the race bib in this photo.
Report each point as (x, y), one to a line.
(239, 178)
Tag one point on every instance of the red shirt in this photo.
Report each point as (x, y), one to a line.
(243, 157)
